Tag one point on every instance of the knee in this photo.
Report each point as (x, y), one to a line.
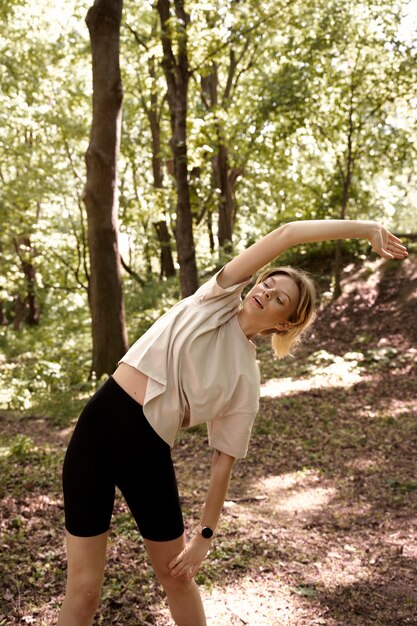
(179, 585)
(83, 597)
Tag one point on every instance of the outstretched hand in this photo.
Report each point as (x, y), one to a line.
(188, 561)
(385, 244)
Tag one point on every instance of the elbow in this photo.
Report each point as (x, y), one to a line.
(286, 233)
(284, 237)
(227, 457)
(223, 460)
(226, 462)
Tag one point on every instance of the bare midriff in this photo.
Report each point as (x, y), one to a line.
(132, 381)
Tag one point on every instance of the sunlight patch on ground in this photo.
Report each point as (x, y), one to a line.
(399, 407)
(307, 500)
(296, 492)
(343, 566)
(257, 601)
(290, 480)
(339, 373)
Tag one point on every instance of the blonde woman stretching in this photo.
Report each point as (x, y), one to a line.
(195, 364)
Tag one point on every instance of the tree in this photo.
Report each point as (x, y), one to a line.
(100, 195)
(177, 77)
(144, 80)
(357, 82)
(227, 54)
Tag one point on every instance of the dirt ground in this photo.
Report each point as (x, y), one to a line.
(320, 524)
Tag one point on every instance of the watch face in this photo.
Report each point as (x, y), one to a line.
(207, 532)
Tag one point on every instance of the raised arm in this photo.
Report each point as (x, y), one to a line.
(276, 242)
(189, 560)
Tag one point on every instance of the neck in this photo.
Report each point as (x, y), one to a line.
(247, 325)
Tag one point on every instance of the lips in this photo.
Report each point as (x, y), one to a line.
(258, 302)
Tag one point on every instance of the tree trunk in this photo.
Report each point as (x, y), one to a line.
(161, 227)
(177, 77)
(167, 263)
(19, 310)
(3, 318)
(25, 253)
(210, 230)
(347, 180)
(224, 176)
(106, 299)
(337, 267)
(226, 205)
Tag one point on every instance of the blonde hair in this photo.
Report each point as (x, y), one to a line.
(283, 341)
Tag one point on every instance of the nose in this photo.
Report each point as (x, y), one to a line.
(267, 294)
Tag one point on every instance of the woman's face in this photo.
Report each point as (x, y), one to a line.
(269, 304)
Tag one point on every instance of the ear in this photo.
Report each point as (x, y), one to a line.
(284, 325)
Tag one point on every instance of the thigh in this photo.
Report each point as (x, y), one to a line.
(161, 554)
(145, 475)
(151, 493)
(87, 478)
(86, 557)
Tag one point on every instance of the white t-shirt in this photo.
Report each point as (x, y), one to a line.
(201, 368)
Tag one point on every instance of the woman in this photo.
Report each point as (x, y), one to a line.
(195, 364)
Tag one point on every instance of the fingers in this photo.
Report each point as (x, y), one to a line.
(184, 569)
(394, 238)
(396, 250)
(179, 566)
(391, 253)
(391, 247)
(177, 559)
(188, 561)
(395, 247)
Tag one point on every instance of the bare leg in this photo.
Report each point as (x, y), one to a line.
(183, 595)
(86, 559)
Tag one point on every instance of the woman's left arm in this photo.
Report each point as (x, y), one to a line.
(188, 561)
(276, 242)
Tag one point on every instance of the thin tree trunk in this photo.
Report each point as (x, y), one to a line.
(167, 262)
(177, 77)
(161, 227)
(224, 176)
(25, 253)
(210, 230)
(106, 299)
(19, 310)
(337, 267)
(3, 317)
(347, 181)
(221, 172)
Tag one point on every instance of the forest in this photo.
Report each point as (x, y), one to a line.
(142, 146)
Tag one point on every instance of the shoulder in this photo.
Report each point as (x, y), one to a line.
(227, 278)
(221, 286)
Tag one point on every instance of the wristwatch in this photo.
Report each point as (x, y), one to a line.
(205, 531)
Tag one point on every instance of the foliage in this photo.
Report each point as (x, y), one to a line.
(46, 370)
(301, 88)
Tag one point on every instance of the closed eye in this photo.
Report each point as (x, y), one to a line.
(278, 298)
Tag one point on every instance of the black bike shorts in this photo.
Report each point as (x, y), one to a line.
(113, 444)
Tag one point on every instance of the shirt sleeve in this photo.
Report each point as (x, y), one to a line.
(231, 433)
(211, 290)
